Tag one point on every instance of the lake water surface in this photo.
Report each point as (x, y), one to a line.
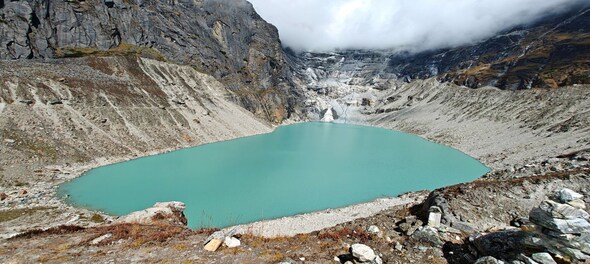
(296, 169)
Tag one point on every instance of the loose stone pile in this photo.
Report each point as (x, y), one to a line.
(563, 226)
(559, 231)
(227, 238)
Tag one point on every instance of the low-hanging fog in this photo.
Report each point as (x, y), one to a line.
(409, 25)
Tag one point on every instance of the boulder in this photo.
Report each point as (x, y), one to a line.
(231, 242)
(543, 258)
(362, 252)
(3, 196)
(566, 195)
(222, 234)
(507, 244)
(378, 260)
(171, 213)
(463, 227)
(564, 226)
(99, 239)
(563, 211)
(213, 245)
(373, 229)
(526, 260)
(398, 246)
(410, 226)
(578, 203)
(428, 235)
(488, 260)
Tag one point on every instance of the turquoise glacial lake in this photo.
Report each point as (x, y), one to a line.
(296, 169)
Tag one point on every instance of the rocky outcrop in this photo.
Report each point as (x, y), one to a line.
(170, 213)
(226, 39)
(558, 232)
(565, 230)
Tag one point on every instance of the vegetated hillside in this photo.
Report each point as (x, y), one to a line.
(223, 38)
(550, 53)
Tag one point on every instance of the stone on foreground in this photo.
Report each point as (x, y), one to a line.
(373, 229)
(563, 211)
(99, 239)
(564, 226)
(488, 260)
(566, 195)
(428, 235)
(213, 245)
(543, 258)
(170, 213)
(231, 242)
(578, 203)
(362, 252)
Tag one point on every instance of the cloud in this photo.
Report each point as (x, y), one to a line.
(410, 25)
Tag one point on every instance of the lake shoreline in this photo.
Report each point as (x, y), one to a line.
(522, 152)
(282, 226)
(344, 165)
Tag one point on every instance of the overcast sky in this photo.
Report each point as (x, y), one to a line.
(412, 25)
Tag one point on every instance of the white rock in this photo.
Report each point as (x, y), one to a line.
(488, 260)
(231, 242)
(378, 260)
(578, 203)
(169, 212)
(398, 246)
(434, 219)
(213, 245)
(373, 229)
(563, 211)
(566, 195)
(543, 258)
(362, 252)
(99, 239)
(526, 259)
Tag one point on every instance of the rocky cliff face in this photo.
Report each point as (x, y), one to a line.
(551, 53)
(226, 39)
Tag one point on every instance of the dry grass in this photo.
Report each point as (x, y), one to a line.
(59, 230)
(124, 49)
(137, 234)
(11, 214)
(30, 144)
(357, 233)
(483, 183)
(96, 218)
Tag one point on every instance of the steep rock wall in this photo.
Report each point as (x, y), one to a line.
(223, 38)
